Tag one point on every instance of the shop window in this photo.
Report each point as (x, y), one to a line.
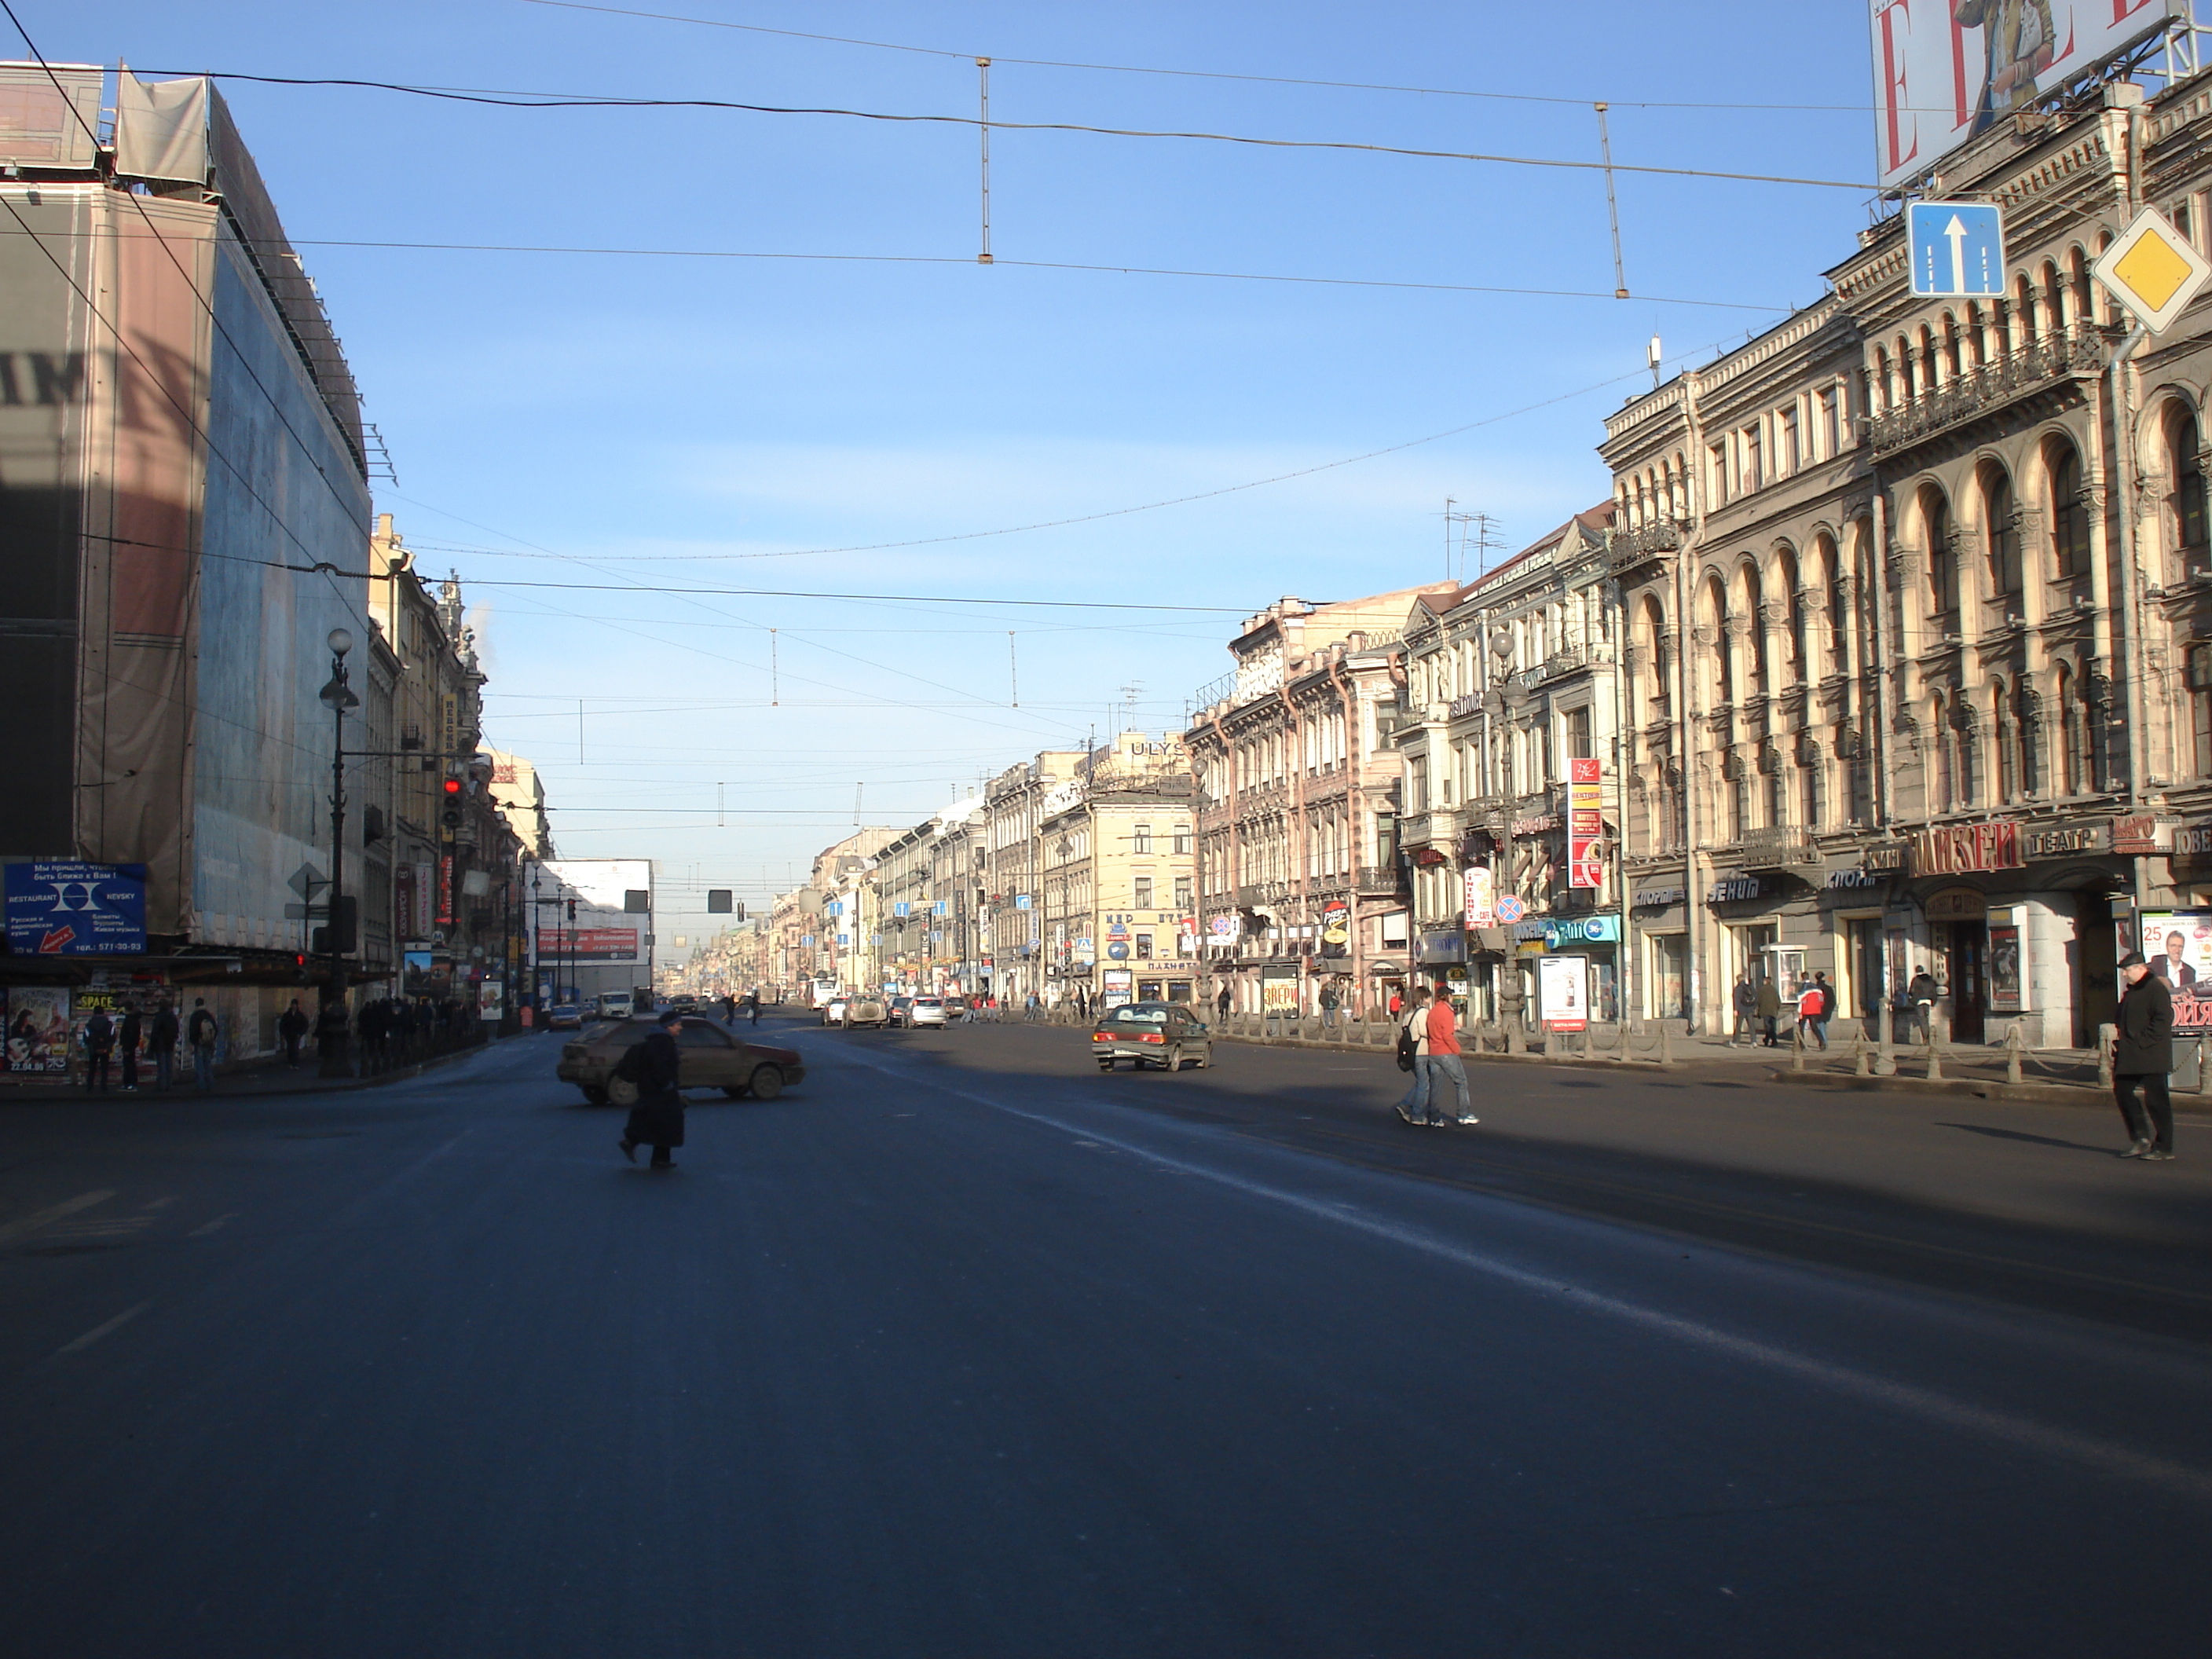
(1144, 947)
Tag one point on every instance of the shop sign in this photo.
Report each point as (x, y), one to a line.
(1656, 898)
(1582, 930)
(1444, 947)
(1465, 705)
(2195, 841)
(1952, 849)
(1730, 889)
(2143, 832)
(1888, 858)
(1956, 904)
(2067, 841)
(63, 908)
(1538, 928)
(1336, 928)
(1585, 824)
(1538, 825)
(1839, 879)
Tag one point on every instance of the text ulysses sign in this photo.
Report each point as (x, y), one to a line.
(1952, 849)
(61, 907)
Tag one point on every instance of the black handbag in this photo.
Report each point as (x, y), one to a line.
(1408, 1048)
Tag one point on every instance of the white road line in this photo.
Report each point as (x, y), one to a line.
(31, 1224)
(99, 1331)
(2106, 1457)
(205, 1228)
(162, 1203)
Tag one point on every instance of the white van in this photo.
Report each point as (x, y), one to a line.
(615, 1005)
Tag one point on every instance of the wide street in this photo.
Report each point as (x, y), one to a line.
(960, 1348)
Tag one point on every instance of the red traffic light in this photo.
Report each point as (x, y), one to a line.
(452, 785)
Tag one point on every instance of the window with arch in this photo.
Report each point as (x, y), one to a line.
(1943, 788)
(1942, 575)
(2073, 734)
(2069, 515)
(2003, 535)
(2004, 734)
(1760, 671)
(2187, 471)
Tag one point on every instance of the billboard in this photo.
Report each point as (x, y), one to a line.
(606, 929)
(1585, 824)
(2178, 945)
(63, 908)
(1945, 70)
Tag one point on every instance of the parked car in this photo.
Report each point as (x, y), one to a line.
(956, 1007)
(712, 1059)
(564, 1017)
(615, 1004)
(866, 1010)
(683, 1001)
(1165, 1033)
(833, 1011)
(924, 1011)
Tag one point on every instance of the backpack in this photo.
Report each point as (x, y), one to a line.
(630, 1069)
(1408, 1048)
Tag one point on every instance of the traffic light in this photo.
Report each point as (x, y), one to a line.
(718, 901)
(450, 816)
(337, 937)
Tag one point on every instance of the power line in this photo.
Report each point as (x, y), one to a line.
(504, 100)
(1194, 74)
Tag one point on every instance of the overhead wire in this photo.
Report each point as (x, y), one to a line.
(528, 101)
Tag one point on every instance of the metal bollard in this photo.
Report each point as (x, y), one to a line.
(1935, 1056)
(1666, 1044)
(2107, 1035)
(1798, 1043)
(1859, 1063)
(2012, 1045)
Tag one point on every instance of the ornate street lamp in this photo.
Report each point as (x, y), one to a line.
(338, 697)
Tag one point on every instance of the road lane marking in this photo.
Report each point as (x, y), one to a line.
(205, 1228)
(99, 1331)
(162, 1203)
(2106, 1457)
(31, 1224)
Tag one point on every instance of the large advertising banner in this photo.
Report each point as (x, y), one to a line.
(1945, 70)
(38, 1018)
(2178, 944)
(1585, 824)
(62, 908)
(590, 944)
(604, 929)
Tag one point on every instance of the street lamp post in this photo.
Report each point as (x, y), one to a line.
(338, 697)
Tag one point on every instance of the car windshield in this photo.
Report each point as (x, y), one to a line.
(1138, 1015)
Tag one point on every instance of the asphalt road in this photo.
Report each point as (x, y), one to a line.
(960, 1348)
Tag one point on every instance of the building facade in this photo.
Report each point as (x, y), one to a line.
(1118, 863)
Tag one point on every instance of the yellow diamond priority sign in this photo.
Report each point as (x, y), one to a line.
(2152, 270)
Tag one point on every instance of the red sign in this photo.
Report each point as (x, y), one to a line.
(589, 944)
(1952, 849)
(1585, 824)
(445, 890)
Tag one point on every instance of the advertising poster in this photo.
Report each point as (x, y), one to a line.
(1117, 987)
(1336, 928)
(2178, 944)
(1563, 992)
(37, 1030)
(1278, 991)
(491, 995)
(1585, 824)
(61, 907)
(1480, 912)
(2007, 946)
(1944, 72)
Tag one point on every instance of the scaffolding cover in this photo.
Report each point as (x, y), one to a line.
(161, 129)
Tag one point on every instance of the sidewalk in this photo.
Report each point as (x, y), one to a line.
(256, 1079)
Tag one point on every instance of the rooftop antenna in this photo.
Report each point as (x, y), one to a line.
(1129, 696)
(1655, 357)
(1611, 207)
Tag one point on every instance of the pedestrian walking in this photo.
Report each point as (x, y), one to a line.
(656, 1067)
(1827, 1005)
(1746, 997)
(1920, 1004)
(729, 1010)
(1808, 1012)
(753, 1002)
(1397, 1004)
(201, 1032)
(1221, 1003)
(1029, 1008)
(2143, 1055)
(1442, 1060)
(292, 1026)
(128, 1041)
(162, 1040)
(1328, 1000)
(1414, 1045)
(1769, 1004)
(99, 1045)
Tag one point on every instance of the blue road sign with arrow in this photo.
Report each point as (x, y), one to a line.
(1958, 249)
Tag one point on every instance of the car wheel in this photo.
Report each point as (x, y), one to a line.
(1175, 1058)
(1105, 1065)
(735, 1090)
(593, 1093)
(766, 1084)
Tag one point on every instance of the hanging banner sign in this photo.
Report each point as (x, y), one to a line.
(63, 908)
(1585, 824)
(1478, 911)
(1952, 849)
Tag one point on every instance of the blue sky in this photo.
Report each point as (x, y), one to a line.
(662, 421)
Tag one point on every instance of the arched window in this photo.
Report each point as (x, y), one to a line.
(2004, 536)
(2187, 471)
(2004, 735)
(1942, 574)
(1941, 794)
(2070, 515)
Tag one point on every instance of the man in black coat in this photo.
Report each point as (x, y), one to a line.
(657, 1119)
(161, 1044)
(292, 1026)
(98, 1044)
(2141, 1057)
(128, 1039)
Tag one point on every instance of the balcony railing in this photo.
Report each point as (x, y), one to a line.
(1379, 881)
(2082, 352)
(1777, 847)
(1631, 548)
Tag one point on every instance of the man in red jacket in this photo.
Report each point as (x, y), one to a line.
(1442, 1059)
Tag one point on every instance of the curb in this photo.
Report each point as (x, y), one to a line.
(1588, 1062)
(2046, 1094)
(34, 1095)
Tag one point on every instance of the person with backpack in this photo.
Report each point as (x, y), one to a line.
(1412, 1049)
(1810, 1001)
(201, 1032)
(655, 1067)
(161, 1041)
(1328, 1000)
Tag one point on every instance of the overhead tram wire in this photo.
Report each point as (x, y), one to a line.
(505, 100)
(1196, 75)
(1032, 264)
